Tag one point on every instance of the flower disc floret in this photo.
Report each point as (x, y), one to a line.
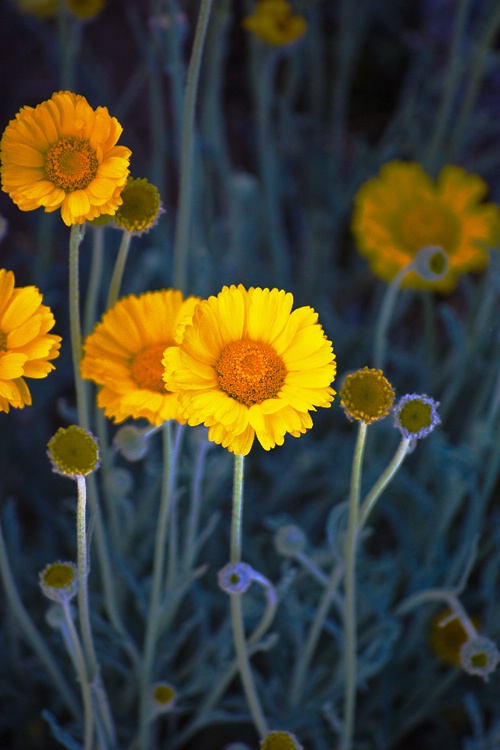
(366, 395)
(403, 210)
(73, 451)
(274, 22)
(249, 367)
(280, 740)
(62, 154)
(124, 355)
(26, 346)
(416, 416)
(59, 581)
(163, 696)
(140, 208)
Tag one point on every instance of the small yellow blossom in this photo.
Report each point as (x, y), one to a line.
(366, 395)
(274, 23)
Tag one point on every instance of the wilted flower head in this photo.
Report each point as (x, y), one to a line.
(416, 415)
(73, 451)
(59, 581)
(366, 395)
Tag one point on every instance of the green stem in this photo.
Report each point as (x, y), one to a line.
(350, 647)
(182, 232)
(121, 259)
(83, 678)
(240, 644)
(384, 318)
(369, 502)
(83, 608)
(76, 237)
(92, 296)
(31, 633)
(156, 584)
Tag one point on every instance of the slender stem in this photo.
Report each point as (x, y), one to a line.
(182, 232)
(83, 607)
(83, 677)
(240, 644)
(384, 318)
(350, 647)
(156, 585)
(121, 259)
(76, 236)
(306, 653)
(92, 296)
(31, 633)
(369, 502)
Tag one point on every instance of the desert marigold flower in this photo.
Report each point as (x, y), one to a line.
(447, 636)
(63, 154)
(274, 23)
(248, 366)
(59, 582)
(26, 346)
(73, 451)
(416, 416)
(280, 740)
(403, 210)
(124, 355)
(366, 395)
(141, 206)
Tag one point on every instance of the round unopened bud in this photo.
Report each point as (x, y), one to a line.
(479, 656)
(235, 578)
(290, 540)
(431, 263)
(59, 582)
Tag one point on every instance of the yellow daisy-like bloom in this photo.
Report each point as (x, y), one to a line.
(82, 9)
(403, 210)
(85, 9)
(280, 740)
(63, 154)
(366, 395)
(274, 23)
(141, 206)
(40, 8)
(248, 366)
(26, 346)
(124, 354)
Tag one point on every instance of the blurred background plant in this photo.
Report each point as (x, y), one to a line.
(292, 117)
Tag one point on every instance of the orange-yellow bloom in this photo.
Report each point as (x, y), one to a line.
(248, 366)
(63, 154)
(403, 210)
(124, 355)
(274, 23)
(26, 346)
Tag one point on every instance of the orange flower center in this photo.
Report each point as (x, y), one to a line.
(250, 371)
(146, 367)
(428, 223)
(71, 163)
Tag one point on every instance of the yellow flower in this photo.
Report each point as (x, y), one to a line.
(124, 353)
(273, 22)
(366, 395)
(25, 344)
(248, 366)
(447, 640)
(63, 154)
(82, 9)
(280, 740)
(403, 209)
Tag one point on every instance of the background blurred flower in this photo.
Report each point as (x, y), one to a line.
(25, 344)
(125, 350)
(249, 366)
(403, 209)
(82, 9)
(63, 154)
(274, 23)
